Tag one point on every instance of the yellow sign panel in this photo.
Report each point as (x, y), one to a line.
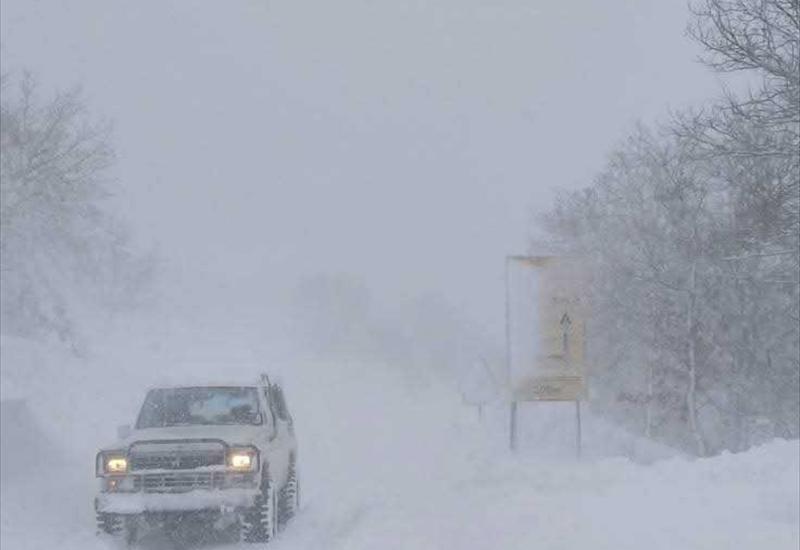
(547, 329)
(554, 388)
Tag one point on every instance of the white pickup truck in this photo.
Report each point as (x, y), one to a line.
(223, 454)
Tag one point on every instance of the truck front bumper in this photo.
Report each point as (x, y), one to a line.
(138, 503)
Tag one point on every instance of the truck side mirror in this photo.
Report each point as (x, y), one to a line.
(124, 431)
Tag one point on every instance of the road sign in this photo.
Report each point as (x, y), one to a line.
(552, 388)
(546, 329)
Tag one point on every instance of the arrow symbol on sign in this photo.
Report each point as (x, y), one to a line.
(565, 323)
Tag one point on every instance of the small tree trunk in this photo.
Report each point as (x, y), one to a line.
(691, 392)
(648, 411)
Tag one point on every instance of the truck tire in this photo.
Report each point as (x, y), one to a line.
(110, 524)
(130, 530)
(120, 526)
(259, 523)
(289, 500)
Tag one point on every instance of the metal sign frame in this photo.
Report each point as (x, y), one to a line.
(569, 387)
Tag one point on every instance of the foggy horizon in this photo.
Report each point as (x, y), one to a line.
(408, 146)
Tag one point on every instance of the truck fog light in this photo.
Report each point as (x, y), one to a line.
(119, 484)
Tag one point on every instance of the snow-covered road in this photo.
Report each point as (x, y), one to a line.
(388, 463)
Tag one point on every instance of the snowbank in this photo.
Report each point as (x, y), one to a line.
(394, 469)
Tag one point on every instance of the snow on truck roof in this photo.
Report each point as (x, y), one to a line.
(203, 385)
(251, 383)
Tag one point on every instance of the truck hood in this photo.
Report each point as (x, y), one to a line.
(232, 435)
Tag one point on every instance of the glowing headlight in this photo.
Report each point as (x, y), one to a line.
(116, 465)
(243, 460)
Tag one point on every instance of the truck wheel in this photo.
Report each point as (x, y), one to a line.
(111, 524)
(289, 500)
(260, 522)
(131, 530)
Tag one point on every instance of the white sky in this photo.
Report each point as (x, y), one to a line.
(407, 143)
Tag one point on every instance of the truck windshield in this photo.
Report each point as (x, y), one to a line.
(199, 406)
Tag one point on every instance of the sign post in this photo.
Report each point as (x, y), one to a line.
(512, 421)
(578, 429)
(545, 334)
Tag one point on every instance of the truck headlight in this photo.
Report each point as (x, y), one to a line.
(116, 465)
(113, 462)
(243, 459)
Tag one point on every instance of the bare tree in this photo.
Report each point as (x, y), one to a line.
(761, 37)
(691, 332)
(56, 238)
(760, 129)
(692, 234)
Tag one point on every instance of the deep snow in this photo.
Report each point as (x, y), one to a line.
(387, 462)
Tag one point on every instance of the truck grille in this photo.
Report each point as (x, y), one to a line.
(183, 482)
(179, 466)
(178, 482)
(176, 461)
(173, 455)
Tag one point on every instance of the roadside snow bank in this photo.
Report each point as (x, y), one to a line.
(745, 501)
